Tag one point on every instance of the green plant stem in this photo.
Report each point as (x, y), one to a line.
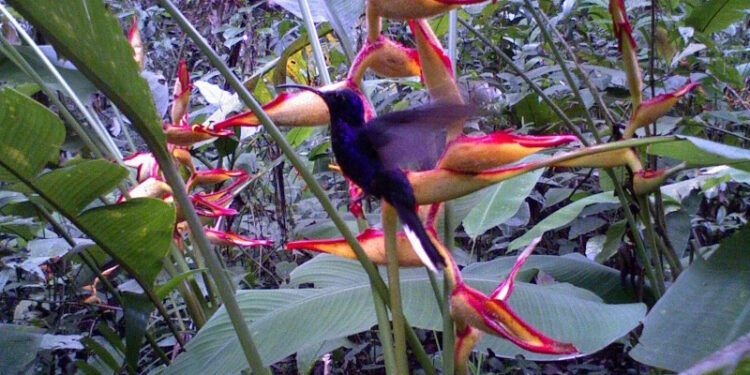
(538, 90)
(581, 73)
(101, 133)
(390, 223)
(449, 334)
(296, 161)
(320, 61)
(563, 66)
(193, 307)
(182, 267)
(384, 332)
(645, 213)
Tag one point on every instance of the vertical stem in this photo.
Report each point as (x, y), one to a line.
(452, 35)
(652, 247)
(390, 223)
(384, 332)
(449, 334)
(320, 61)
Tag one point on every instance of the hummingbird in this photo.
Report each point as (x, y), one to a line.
(374, 154)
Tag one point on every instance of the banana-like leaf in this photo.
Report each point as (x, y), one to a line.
(715, 15)
(287, 320)
(136, 233)
(707, 308)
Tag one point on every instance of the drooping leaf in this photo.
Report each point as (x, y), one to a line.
(137, 310)
(707, 308)
(20, 345)
(500, 203)
(287, 320)
(698, 152)
(26, 139)
(716, 15)
(561, 218)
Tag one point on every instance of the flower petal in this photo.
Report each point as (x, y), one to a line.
(144, 163)
(386, 58)
(607, 159)
(656, 107)
(407, 10)
(206, 208)
(215, 176)
(497, 318)
(226, 238)
(477, 154)
(134, 37)
(373, 243)
(624, 34)
(505, 289)
(151, 188)
(301, 108)
(440, 185)
(187, 135)
(181, 93)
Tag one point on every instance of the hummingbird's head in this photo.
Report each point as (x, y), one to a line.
(343, 104)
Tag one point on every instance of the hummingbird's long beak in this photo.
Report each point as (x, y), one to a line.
(301, 87)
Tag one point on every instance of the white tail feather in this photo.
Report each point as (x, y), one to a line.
(416, 244)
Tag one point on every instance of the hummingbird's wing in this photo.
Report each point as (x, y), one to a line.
(414, 138)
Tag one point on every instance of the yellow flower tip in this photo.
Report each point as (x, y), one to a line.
(226, 238)
(497, 318)
(207, 208)
(650, 110)
(426, 37)
(466, 338)
(476, 154)
(152, 187)
(182, 155)
(620, 23)
(215, 176)
(134, 37)
(187, 135)
(607, 159)
(386, 58)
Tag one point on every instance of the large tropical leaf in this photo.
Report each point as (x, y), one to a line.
(560, 218)
(698, 152)
(707, 308)
(716, 15)
(91, 37)
(287, 320)
(136, 233)
(500, 203)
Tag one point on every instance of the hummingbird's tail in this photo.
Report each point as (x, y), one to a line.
(420, 241)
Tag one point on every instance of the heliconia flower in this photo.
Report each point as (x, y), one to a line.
(437, 71)
(187, 135)
(214, 176)
(373, 243)
(207, 208)
(650, 110)
(226, 238)
(646, 181)
(181, 93)
(299, 108)
(440, 185)
(151, 188)
(481, 153)
(182, 155)
(356, 194)
(144, 163)
(134, 37)
(608, 159)
(407, 10)
(466, 338)
(492, 314)
(624, 34)
(386, 58)
(225, 195)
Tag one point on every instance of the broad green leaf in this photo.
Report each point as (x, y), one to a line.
(731, 359)
(698, 152)
(500, 203)
(76, 186)
(20, 345)
(30, 135)
(716, 15)
(163, 290)
(91, 37)
(137, 233)
(707, 308)
(348, 11)
(285, 321)
(12, 75)
(561, 218)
